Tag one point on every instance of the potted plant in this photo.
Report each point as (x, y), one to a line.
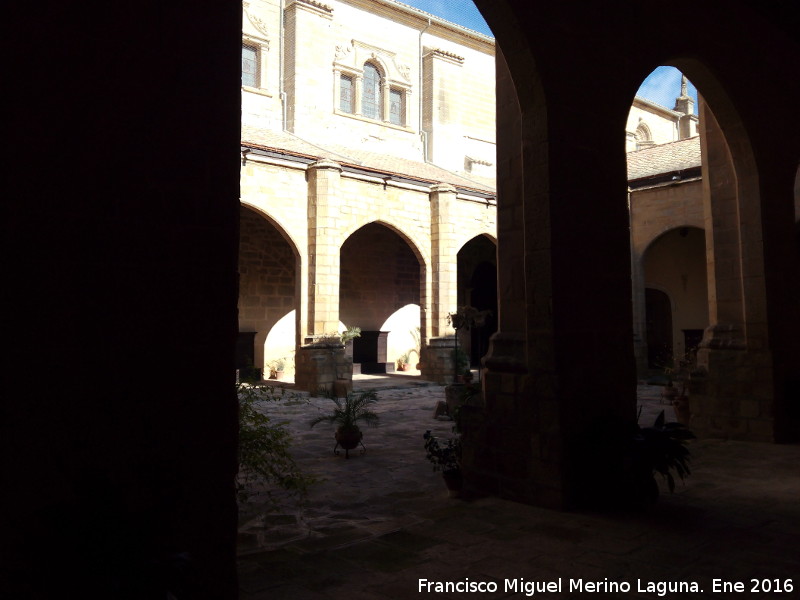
(445, 458)
(465, 317)
(623, 459)
(670, 391)
(402, 362)
(659, 449)
(349, 411)
(276, 368)
(347, 337)
(461, 361)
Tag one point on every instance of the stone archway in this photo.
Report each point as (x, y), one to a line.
(674, 267)
(380, 273)
(268, 291)
(477, 287)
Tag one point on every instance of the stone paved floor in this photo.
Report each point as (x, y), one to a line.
(378, 523)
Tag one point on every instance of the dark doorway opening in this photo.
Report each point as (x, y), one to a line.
(483, 297)
(658, 321)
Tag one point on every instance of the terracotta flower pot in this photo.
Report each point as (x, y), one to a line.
(348, 438)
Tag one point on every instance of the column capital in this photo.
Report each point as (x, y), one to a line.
(443, 188)
(325, 163)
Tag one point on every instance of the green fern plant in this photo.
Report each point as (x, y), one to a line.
(352, 409)
(265, 459)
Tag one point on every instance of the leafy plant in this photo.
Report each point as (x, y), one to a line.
(661, 449)
(444, 457)
(349, 411)
(461, 360)
(621, 459)
(467, 316)
(326, 339)
(402, 360)
(350, 334)
(265, 449)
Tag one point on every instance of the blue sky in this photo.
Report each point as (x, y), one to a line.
(662, 86)
(462, 12)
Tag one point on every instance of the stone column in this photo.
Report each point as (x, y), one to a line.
(504, 468)
(639, 316)
(358, 85)
(320, 363)
(385, 101)
(337, 88)
(444, 256)
(323, 247)
(735, 397)
(507, 346)
(562, 362)
(263, 49)
(437, 350)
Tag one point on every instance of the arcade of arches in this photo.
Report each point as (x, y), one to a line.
(137, 273)
(341, 249)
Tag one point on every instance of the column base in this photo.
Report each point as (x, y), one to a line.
(319, 366)
(732, 394)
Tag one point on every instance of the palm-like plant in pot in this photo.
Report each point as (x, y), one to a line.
(659, 449)
(349, 411)
(621, 460)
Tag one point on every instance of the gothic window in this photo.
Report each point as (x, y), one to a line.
(397, 107)
(249, 66)
(371, 96)
(346, 94)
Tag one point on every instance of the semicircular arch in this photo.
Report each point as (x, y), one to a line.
(648, 244)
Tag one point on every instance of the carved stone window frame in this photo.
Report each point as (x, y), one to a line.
(350, 60)
(261, 46)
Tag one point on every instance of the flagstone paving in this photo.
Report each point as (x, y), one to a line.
(379, 522)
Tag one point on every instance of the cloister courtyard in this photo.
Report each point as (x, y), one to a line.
(378, 523)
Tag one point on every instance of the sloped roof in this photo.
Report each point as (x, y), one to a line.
(286, 143)
(664, 158)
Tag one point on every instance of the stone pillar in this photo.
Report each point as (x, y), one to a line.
(358, 90)
(337, 89)
(734, 398)
(322, 361)
(385, 101)
(323, 247)
(444, 257)
(443, 282)
(504, 468)
(562, 361)
(263, 49)
(639, 316)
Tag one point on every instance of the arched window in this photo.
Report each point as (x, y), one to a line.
(371, 100)
(346, 93)
(643, 137)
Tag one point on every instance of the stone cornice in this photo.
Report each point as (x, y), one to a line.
(314, 6)
(445, 55)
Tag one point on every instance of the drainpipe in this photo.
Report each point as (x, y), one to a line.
(422, 133)
(281, 91)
